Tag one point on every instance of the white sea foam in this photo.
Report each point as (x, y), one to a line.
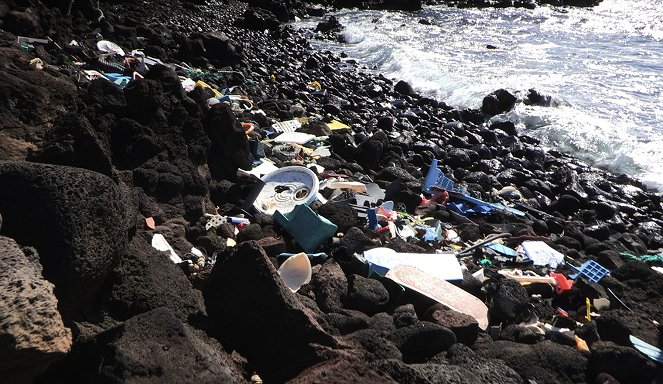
(604, 63)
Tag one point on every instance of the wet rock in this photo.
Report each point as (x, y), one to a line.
(623, 363)
(366, 295)
(153, 347)
(30, 326)
(269, 324)
(422, 340)
(259, 19)
(404, 88)
(498, 102)
(147, 279)
(465, 327)
(329, 25)
(73, 217)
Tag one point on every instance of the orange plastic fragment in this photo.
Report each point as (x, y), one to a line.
(149, 221)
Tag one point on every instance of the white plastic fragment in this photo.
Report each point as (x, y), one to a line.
(294, 137)
(542, 254)
(444, 266)
(160, 244)
(109, 47)
(296, 271)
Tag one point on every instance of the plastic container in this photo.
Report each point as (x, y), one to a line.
(285, 189)
(307, 227)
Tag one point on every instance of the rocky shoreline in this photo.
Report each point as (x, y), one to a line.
(92, 167)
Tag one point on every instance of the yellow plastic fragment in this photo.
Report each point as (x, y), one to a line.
(335, 124)
(581, 344)
(588, 316)
(203, 84)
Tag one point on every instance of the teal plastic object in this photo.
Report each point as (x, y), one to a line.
(307, 227)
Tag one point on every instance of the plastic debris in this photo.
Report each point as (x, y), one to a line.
(149, 221)
(526, 276)
(307, 227)
(320, 256)
(542, 254)
(294, 137)
(647, 349)
(109, 47)
(591, 270)
(444, 266)
(601, 303)
(562, 283)
(296, 271)
(342, 184)
(286, 188)
(436, 180)
(335, 125)
(287, 126)
(441, 291)
(160, 244)
(479, 206)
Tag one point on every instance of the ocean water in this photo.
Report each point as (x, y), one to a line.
(604, 66)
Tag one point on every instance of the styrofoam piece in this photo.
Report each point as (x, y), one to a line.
(286, 188)
(296, 271)
(160, 244)
(109, 47)
(444, 266)
(294, 137)
(542, 254)
(441, 291)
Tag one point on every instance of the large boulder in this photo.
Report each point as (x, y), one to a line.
(256, 314)
(147, 279)
(153, 347)
(545, 362)
(27, 301)
(75, 218)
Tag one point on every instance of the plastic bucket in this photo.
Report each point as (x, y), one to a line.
(286, 188)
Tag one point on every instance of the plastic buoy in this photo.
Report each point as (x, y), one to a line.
(296, 271)
(285, 189)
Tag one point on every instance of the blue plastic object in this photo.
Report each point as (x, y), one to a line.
(591, 270)
(503, 249)
(459, 196)
(372, 216)
(307, 227)
(435, 178)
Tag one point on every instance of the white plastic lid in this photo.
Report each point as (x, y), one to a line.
(286, 188)
(109, 47)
